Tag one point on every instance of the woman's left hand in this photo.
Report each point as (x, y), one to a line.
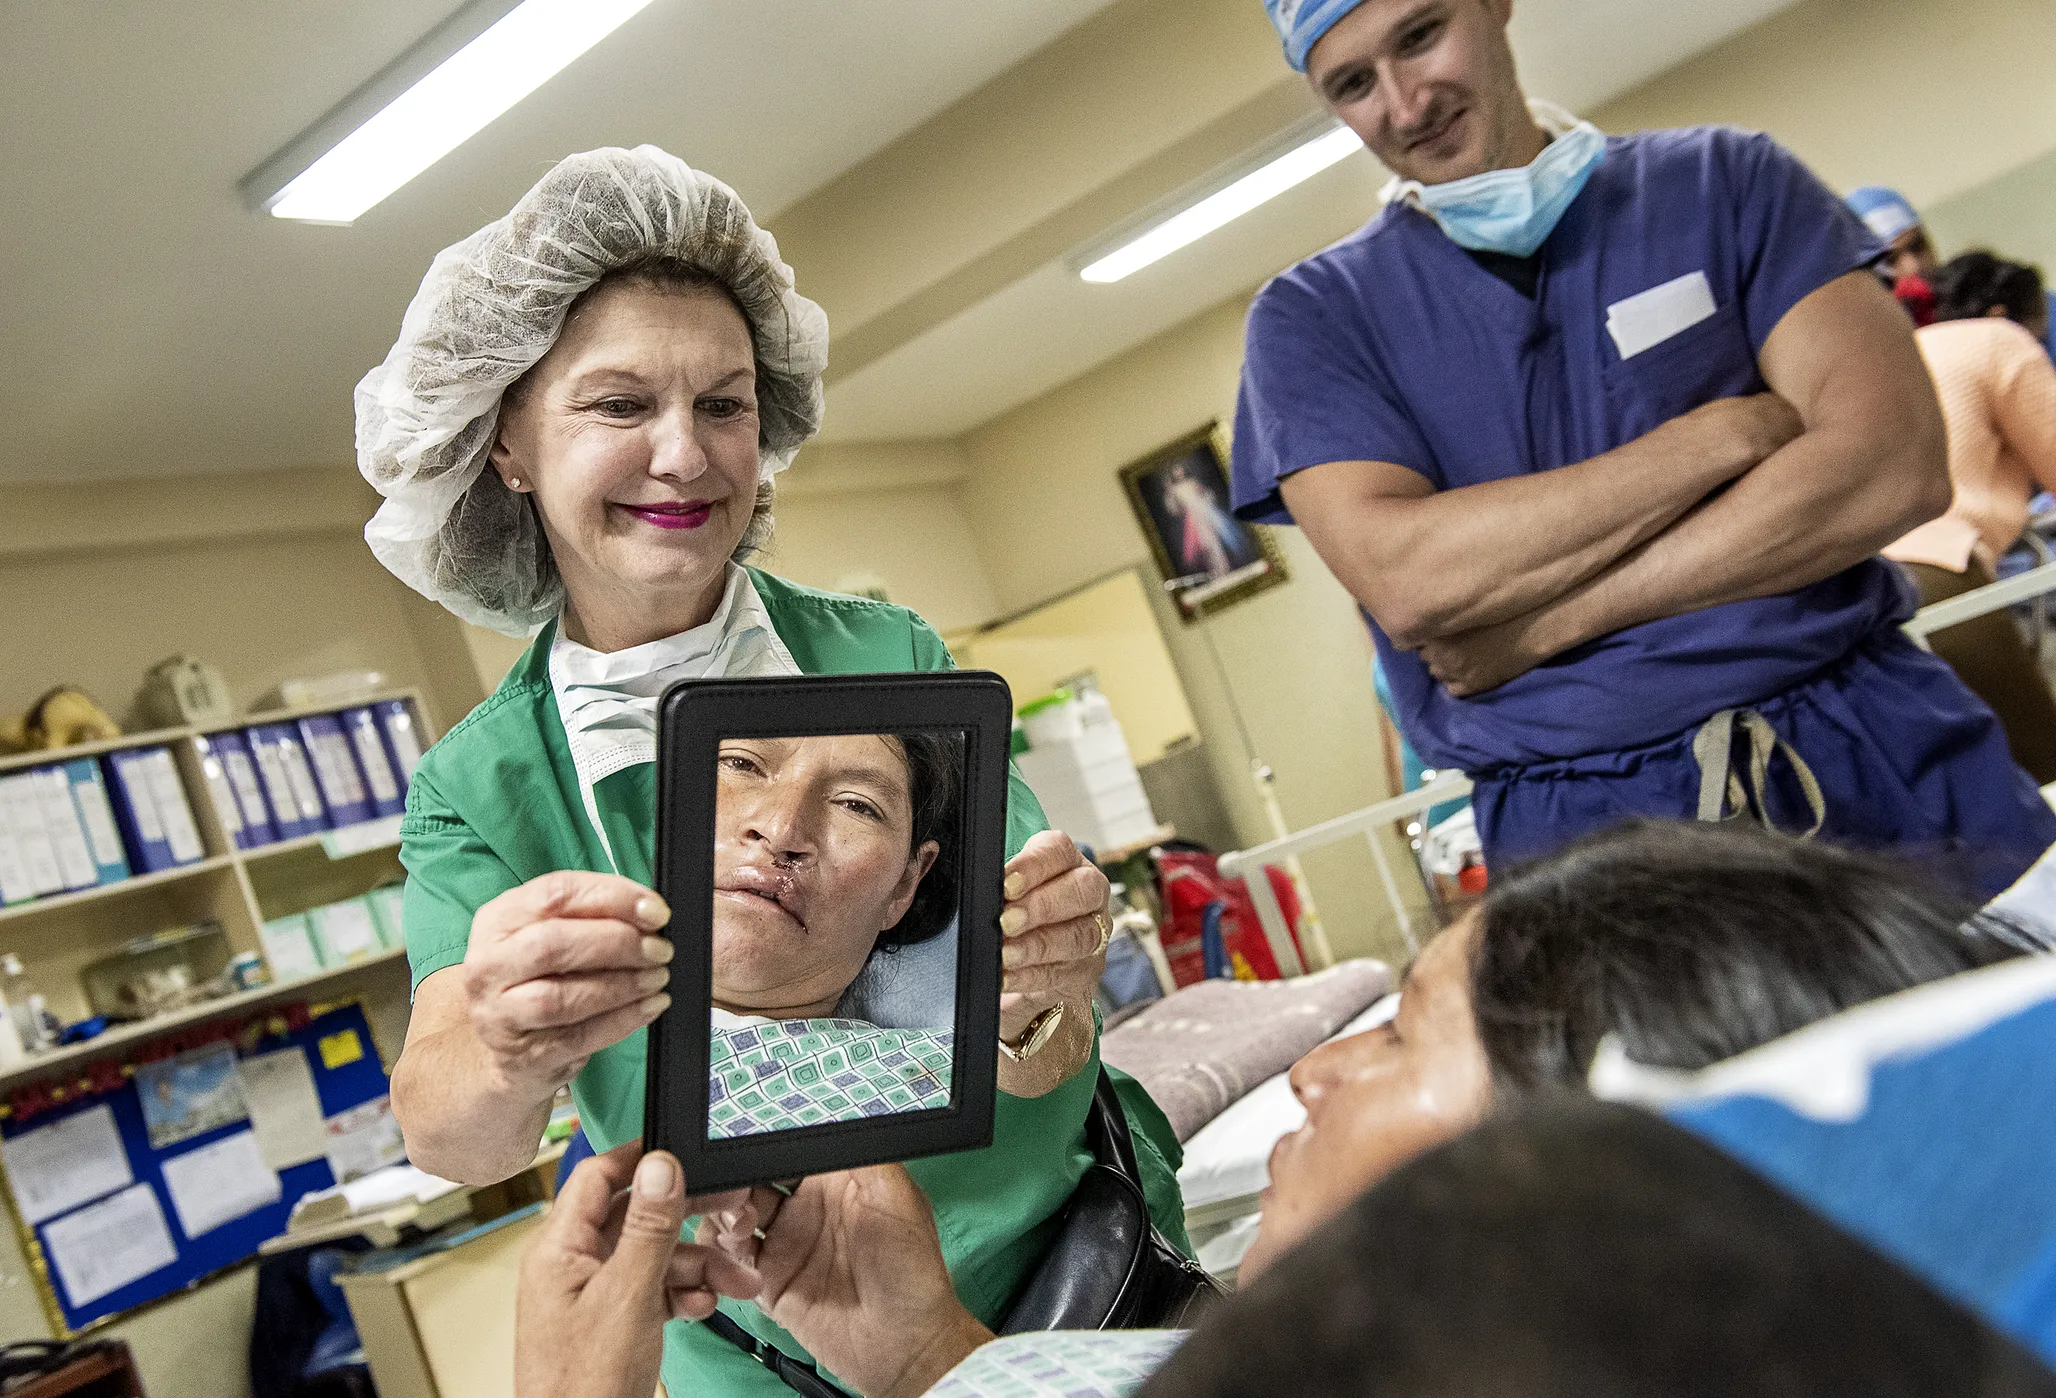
(1053, 922)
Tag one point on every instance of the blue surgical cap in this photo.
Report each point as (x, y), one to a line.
(1301, 23)
(1884, 211)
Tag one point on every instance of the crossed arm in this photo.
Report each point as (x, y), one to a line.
(1488, 581)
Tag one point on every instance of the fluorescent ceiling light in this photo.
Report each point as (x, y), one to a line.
(1297, 165)
(406, 119)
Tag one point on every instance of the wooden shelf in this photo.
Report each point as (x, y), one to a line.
(45, 757)
(159, 737)
(59, 935)
(71, 1056)
(345, 842)
(135, 883)
(334, 706)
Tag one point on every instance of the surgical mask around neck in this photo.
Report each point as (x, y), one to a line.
(608, 700)
(1513, 211)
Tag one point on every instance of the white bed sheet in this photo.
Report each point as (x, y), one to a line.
(1230, 1156)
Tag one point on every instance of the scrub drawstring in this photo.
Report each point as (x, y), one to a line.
(1721, 786)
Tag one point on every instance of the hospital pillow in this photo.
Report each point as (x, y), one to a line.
(1924, 1123)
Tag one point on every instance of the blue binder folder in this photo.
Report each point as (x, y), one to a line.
(155, 825)
(402, 735)
(382, 780)
(296, 803)
(335, 770)
(238, 791)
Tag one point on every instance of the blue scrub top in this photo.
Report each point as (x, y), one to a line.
(1395, 345)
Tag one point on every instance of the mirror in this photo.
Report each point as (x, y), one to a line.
(832, 850)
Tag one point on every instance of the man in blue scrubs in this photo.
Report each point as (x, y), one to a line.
(1605, 434)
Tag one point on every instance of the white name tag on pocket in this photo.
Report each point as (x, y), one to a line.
(1647, 319)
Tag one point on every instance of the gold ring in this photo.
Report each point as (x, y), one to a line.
(1106, 931)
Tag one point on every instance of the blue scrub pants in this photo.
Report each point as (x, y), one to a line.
(1908, 760)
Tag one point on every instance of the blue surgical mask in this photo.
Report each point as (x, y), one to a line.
(1513, 211)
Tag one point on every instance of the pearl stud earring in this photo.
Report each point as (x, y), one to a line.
(513, 482)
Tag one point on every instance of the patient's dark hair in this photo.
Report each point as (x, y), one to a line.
(935, 783)
(1581, 1249)
(1971, 285)
(1696, 942)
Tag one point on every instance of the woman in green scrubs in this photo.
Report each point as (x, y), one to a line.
(576, 435)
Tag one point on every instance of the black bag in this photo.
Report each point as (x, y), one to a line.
(1107, 1269)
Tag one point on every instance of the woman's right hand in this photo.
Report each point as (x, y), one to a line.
(560, 968)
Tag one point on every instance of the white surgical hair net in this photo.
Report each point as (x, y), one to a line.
(492, 305)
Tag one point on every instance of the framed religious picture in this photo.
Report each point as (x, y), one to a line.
(1209, 559)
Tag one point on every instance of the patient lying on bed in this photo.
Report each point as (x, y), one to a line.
(1686, 944)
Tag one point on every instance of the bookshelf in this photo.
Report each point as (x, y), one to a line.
(57, 935)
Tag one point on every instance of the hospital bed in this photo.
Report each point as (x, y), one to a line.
(1367, 822)
(1227, 1161)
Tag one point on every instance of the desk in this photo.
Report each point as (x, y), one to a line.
(105, 1373)
(441, 1324)
(437, 1316)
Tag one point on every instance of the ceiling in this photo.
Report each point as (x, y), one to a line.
(151, 325)
(1049, 325)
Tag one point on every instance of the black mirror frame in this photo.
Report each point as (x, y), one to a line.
(693, 717)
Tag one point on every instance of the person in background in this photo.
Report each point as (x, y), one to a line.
(1998, 393)
(1910, 260)
(1604, 434)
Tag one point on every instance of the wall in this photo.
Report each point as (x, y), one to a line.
(1110, 629)
(917, 540)
(2015, 215)
(1929, 98)
(265, 576)
(1047, 510)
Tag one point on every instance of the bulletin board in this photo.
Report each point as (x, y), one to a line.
(346, 1073)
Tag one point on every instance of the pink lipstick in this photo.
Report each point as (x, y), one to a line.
(687, 514)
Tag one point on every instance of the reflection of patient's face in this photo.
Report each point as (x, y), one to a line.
(1377, 1099)
(813, 858)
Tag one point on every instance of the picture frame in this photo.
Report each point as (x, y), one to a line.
(1209, 560)
(694, 718)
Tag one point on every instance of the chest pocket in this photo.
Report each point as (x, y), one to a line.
(1700, 363)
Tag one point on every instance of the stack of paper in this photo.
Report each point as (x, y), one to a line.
(390, 1188)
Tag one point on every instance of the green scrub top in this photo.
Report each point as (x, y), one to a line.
(496, 803)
